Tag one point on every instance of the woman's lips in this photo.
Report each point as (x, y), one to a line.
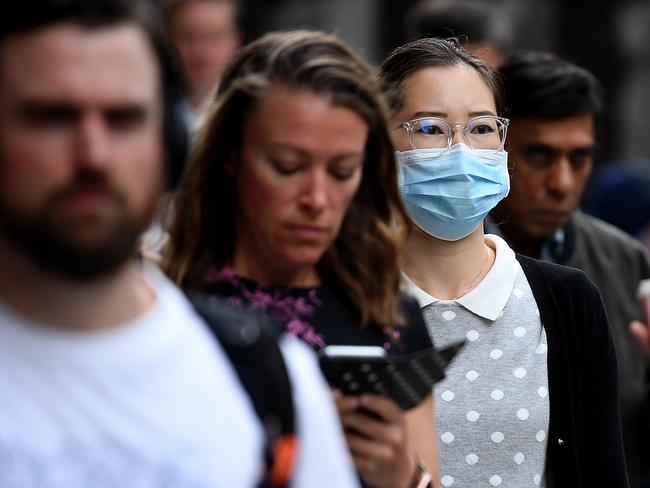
(308, 232)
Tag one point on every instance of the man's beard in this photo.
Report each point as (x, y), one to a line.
(53, 238)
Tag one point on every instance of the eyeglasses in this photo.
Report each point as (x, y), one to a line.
(482, 132)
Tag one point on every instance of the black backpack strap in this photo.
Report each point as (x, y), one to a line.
(251, 342)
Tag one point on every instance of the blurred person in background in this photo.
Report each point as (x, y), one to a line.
(288, 208)
(628, 184)
(204, 34)
(481, 29)
(532, 398)
(107, 375)
(555, 109)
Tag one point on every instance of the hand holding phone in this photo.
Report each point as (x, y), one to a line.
(376, 433)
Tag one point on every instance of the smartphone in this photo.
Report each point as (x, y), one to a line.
(406, 379)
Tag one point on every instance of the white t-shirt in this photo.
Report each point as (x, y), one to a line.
(151, 403)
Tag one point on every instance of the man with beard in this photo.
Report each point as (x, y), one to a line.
(108, 378)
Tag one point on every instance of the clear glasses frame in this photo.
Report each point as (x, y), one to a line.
(472, 140)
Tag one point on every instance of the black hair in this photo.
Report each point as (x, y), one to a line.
(405, 60)
(541, 85)
(29, 15)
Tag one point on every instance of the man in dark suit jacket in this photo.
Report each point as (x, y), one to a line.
(554, 107)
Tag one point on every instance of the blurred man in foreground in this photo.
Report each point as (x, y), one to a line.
(108, 378)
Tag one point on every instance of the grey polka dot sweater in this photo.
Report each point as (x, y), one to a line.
(492, 409)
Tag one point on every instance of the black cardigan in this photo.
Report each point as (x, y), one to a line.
(585, 445)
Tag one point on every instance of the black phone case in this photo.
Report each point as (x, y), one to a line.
(407, 380)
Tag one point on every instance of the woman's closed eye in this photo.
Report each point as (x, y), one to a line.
(343, 173)
(345, 167)
(286, 167)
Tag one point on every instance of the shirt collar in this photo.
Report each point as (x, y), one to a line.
(491, 295)
(553, 250)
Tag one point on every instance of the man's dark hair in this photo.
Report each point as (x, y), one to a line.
(405, 60)
(30, 15)
(541, 85)
(27, 15)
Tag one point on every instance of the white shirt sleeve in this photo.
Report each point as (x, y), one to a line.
(324, 459)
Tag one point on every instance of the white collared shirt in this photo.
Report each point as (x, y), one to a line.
(492, 409)
(490, 296)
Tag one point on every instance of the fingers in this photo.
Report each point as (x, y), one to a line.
(345, 404)
(369, 448)
(383, 407)
(642, 334)
(381, 464)
(374, 430)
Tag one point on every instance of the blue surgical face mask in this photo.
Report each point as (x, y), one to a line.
(448, 192)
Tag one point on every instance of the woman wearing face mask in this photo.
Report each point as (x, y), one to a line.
(531, 399)
(288, 207)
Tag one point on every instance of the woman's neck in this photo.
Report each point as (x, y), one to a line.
(254, 269)
(447, 270)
